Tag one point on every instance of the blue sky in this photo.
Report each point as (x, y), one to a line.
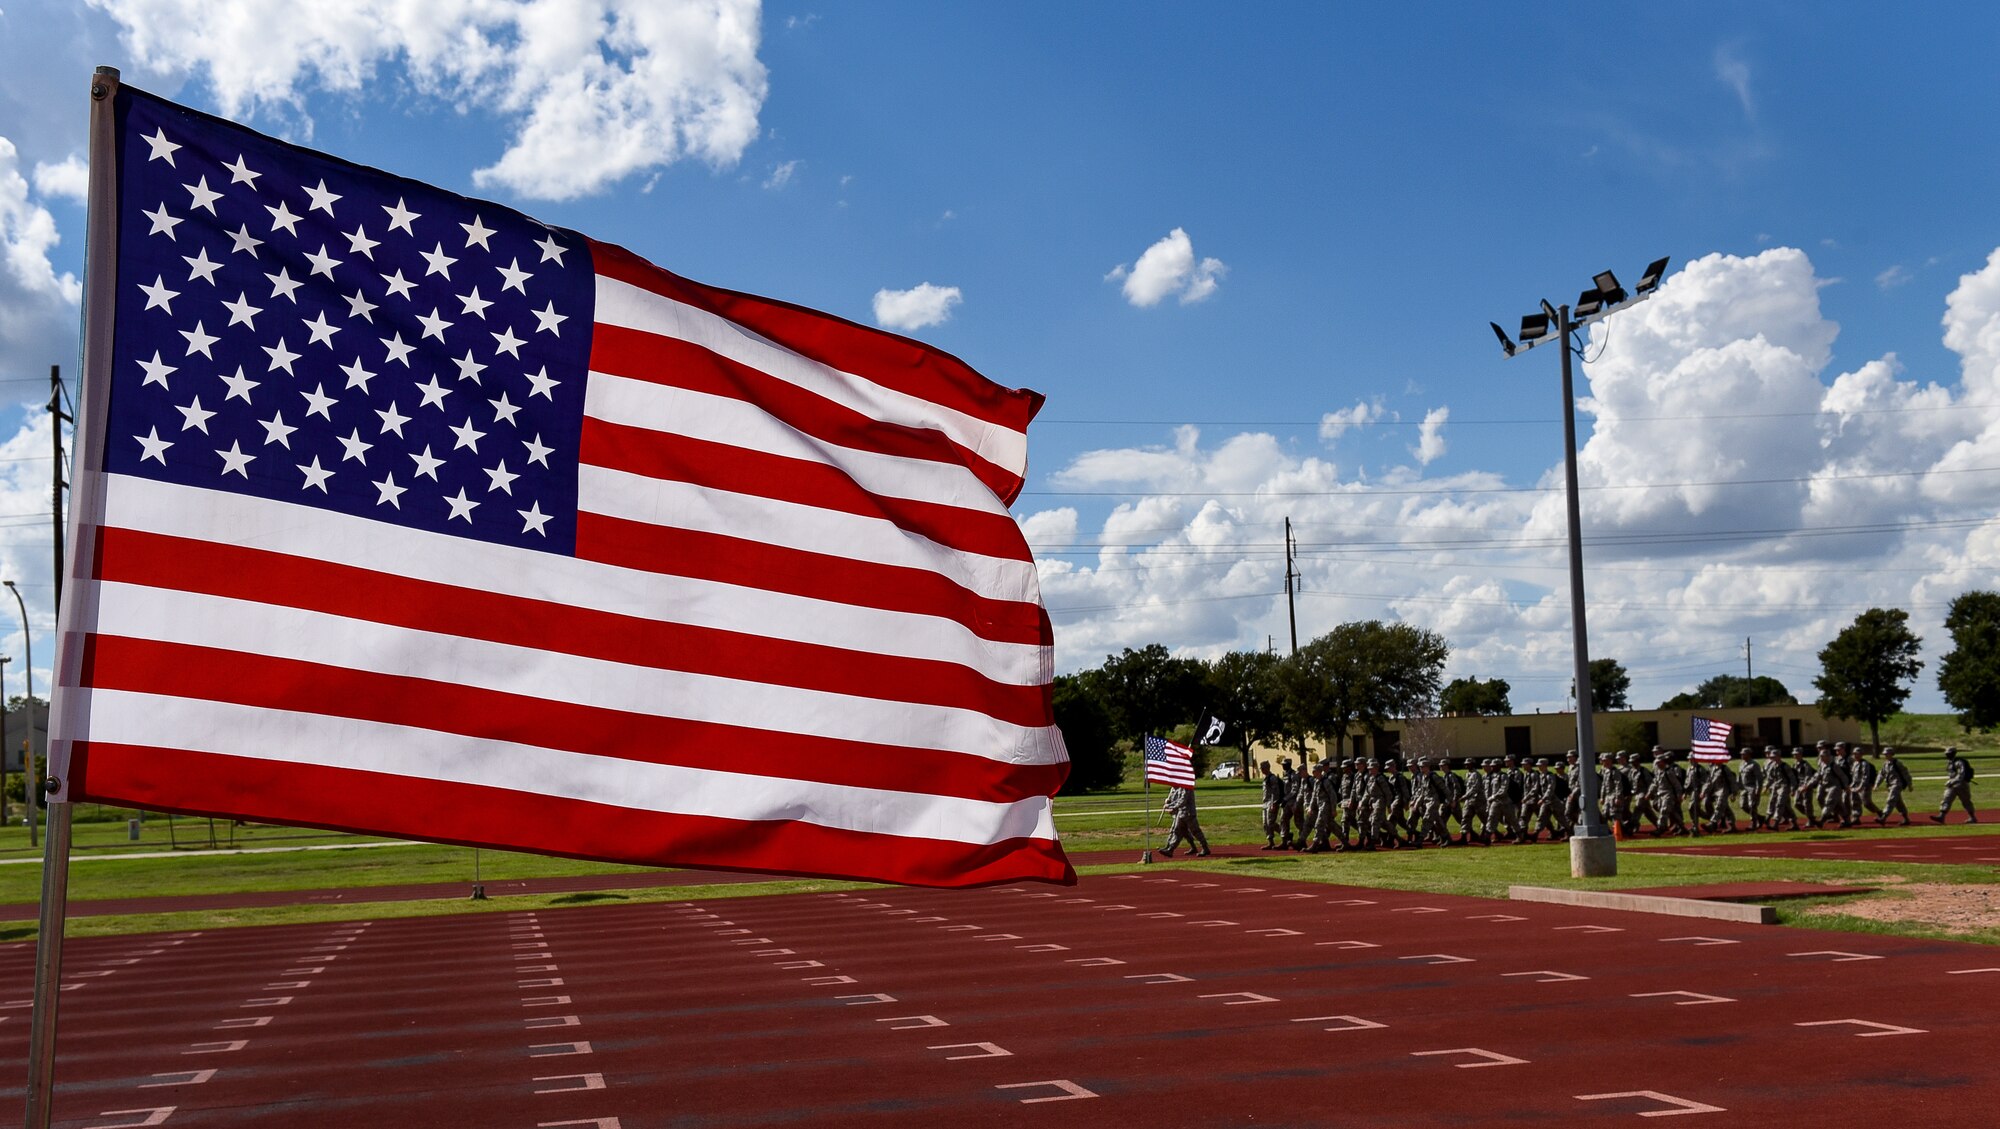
(1359, 190)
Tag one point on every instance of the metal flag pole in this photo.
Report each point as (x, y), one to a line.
(100, 283)
(1146, 804)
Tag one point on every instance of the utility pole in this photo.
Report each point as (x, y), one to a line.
(57, 417)
(1747, 675)
(1291, 586)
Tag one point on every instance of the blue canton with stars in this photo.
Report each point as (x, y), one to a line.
(296, 327)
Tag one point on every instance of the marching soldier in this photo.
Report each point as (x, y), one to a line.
(1376, 797)
(1957, 786)
(1618, 793)
(1751, 778)
(1895, 777)
(1805, 784)
(1861, 779)
(1296, 786)
(1721, 786)
(1666, 799)
(1503, 810)
(1274, 807)
(1640, 780)
(1184, 828)
(1832, 781)
(1572, 812)
(1472, 817)
(1782, 781)
(1432, 798)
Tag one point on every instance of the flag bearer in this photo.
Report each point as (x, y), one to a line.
(1185, 827)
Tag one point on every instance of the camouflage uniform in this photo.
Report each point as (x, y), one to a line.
(1666, 798)
(1184, 828)
(1895, 777)
(1957, 786)
(1832, 791)
(1503, 810)
(1472, 817)
(1752, 779)
(1805, 785)
(1274, 808)
(1720, 788)
(1861, 778)
(1781, 780)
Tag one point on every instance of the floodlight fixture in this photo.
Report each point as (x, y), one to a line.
(1607, 285)
(1655, 271)
(1506, 346)
(1588, 304)
(1550, 311)
(1534, 327)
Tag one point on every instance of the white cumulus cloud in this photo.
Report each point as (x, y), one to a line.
(915, 308)
(1430, 436)
(68, 178)
(1336, 423)
(1169, 267)
(598, 89)
(38, 306)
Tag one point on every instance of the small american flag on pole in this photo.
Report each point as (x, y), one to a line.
(1711, 740)
(1169, 763)
(402, 512)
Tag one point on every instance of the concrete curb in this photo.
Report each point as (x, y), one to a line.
(1646, 903)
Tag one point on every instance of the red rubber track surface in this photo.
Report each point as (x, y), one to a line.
(1169, 998)
(1971, 850)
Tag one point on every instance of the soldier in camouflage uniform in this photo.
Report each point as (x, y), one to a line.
(1274, 808)
(1296, 786)
(1324, 804)
(1431, 798)
(1666, 798)
(1752, 778)
(1723, 787)
(1572, 811)
(1472, 818)
(1618, 793)
(1781, 780)
(1831, 781)
(1861, 778)
(1805, 785)
(1895, 777)
(1184, 828)
(1957, 786)
(1503, 806)
(1640, 782)
(1377, 796)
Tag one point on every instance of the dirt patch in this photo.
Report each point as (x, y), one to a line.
(1958, 909)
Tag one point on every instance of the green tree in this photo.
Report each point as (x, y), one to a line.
(1090, 735)
(1476, 697)
(1362, 674)
(1608, 686)
(1865, 673)
(1970, 675)
(1243, 690)
(1727, 691)
(1149, 690)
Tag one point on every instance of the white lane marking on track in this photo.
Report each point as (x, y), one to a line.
(912, 1022)
(1492, 1058)
(1881, 1029)
(552, 1050)
(180, 1078)
(987, 1050)
(1160, 977)
(1548, 976)
(156, 1116)
(1838, 955)
(1439, 958)
(1702, 940)
(590, 1082)
(1070, 1090)
(1238, 999)
(1693, 998)
(1684, 1106)
(1347, 1022)
(1350, 944)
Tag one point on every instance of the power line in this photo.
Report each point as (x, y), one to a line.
(1504, 422)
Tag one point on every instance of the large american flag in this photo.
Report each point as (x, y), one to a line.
(1169, 763)
(413, 515)
(1710, 740)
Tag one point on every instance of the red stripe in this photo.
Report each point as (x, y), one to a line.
(818, 576)
(887, 359)
(719, 466)
(669, 361)
(209, 674)
(199, 783)
(266, 577)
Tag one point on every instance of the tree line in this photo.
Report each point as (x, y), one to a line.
(1364, 675)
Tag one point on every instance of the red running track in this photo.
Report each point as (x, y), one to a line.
(1168, 998)
(1972, 850)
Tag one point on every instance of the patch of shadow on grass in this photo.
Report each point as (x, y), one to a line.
(1259, 860)
(579, 899)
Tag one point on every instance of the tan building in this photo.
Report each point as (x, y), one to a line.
(1554, 734)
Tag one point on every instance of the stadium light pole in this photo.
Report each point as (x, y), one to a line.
(1593, 853)
(31, 778)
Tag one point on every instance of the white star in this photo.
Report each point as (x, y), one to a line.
(281, 357)
(194, 417)
(321, 198)
(162, 222)
(282, 219)
(398, 285)
(551, 249)
(162, 149)
(157, 295)
(204, 196)
(392, 420)
(239, 386)
(242, 240)
(536, 452)
(276, 430)
(434, 325)
(401, 217)
(235, 460)
(512, 277)
(440, 263)
(241, 173)
(156, 370)
(468, 436)
(501, 479)
(469, 369)
(198, 341)
(282, 285)
(534, 518)
(547, 319)
(356, 448)
(461, 506)
(398, 352)
(504, 409)
(201, 266)
(155, 447)
(316, 476)
(317, 403)
(434, 393)
(357, 377)
(506, 342)
(390, 492)
(544, 385)
(322, 330)
(426, 465)
(473, 303)
(359, 306)
(241, 312)
(358, 242)
(323, 263)
(477, 232)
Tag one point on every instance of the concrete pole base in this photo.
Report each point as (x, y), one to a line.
(1593, 856)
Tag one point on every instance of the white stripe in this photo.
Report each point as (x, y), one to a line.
(282, 632)
(367, 746)
(234, 519)
(681, 505)
(622, 304)
(719, 419)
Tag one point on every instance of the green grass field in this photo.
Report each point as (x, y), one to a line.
(1119, 819)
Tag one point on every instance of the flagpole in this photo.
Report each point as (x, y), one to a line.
(100, 281)
(1146, 778)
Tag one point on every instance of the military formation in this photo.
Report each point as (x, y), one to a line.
(1366, 804)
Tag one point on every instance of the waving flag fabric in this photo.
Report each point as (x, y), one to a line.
(413, 515)
(1169, 763)
(1710, 740)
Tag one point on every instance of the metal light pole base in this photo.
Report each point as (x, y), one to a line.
(479, 893)
(1593, 856)
(1145, 856)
